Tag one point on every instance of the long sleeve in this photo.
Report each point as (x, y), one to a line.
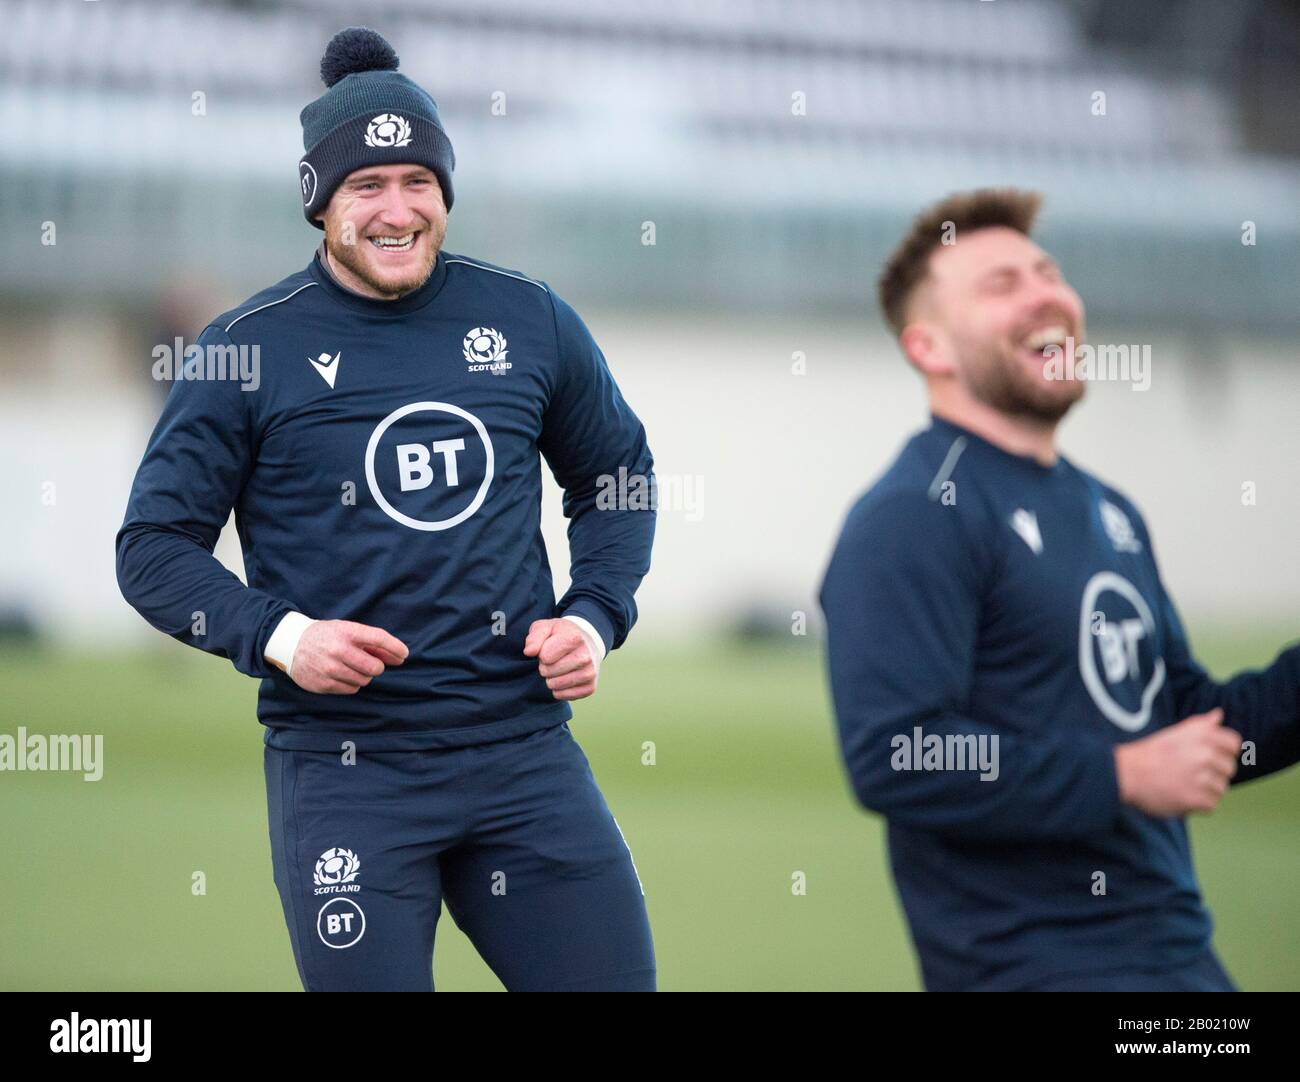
(194, 468)
(596, 448)
(1262, 705)
(902, 603)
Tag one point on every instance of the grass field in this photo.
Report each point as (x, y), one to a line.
(746, 791)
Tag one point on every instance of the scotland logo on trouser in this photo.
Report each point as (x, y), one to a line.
(514, 836)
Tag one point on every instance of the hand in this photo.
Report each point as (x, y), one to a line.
(1184, 768)
(564, 658)
(339, 657)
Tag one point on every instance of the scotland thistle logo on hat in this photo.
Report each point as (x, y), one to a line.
(369, 115)
(388, 130)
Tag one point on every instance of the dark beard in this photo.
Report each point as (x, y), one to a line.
(999, 383)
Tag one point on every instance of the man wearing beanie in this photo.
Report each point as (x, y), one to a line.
(385, 475)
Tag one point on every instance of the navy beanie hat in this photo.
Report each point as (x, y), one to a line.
(369, 115)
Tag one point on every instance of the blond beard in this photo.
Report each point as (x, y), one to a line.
(346, 255)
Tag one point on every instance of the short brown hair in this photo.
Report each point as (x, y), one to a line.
(909, 263)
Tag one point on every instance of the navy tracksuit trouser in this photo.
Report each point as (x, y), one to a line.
(514, 836)
(1204, 974)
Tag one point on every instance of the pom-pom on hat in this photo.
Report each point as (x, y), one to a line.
(370, 114)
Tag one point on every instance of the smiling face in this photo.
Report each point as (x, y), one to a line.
(383, 227)
(988, 314)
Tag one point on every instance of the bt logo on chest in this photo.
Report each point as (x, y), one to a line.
(429, 465)
(1119, 656)
(413, 463)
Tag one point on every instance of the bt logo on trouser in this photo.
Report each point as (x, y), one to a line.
(340, 923)
(429, 465)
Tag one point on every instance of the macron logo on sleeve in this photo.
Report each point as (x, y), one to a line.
(327, 367)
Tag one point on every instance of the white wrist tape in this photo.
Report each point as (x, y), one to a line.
(594, 642)
(283, 643)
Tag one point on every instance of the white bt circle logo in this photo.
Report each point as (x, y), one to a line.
(1118, 659)
(340, 923)
(307, 175)
(429, 465)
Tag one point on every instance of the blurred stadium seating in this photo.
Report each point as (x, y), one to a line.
(620, 112)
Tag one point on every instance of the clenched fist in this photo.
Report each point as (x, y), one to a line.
(564, 659)
(339, 657)
(1183, 768)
